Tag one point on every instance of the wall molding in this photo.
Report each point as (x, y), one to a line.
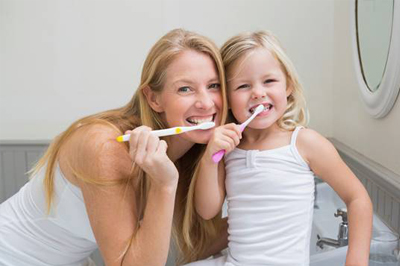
(382, 184)
(24, 142)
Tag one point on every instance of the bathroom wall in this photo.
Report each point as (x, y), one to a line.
(61, 60)
(377, 139)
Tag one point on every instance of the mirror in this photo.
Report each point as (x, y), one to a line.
(376, 45)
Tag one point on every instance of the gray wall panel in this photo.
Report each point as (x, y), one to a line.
(382, 185)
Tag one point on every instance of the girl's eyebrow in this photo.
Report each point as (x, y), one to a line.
(238, 80)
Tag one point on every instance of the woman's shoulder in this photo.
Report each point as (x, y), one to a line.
(93, 150)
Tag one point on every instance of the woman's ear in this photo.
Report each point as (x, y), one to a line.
(289, 91)
(153, 99)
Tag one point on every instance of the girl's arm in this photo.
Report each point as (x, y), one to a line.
(326, 163)
(112, 207)
(210, 184)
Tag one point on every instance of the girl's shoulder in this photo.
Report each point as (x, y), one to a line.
(310, 143)
(92, 150)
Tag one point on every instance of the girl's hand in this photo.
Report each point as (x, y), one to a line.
(225, 137)
(150, 154)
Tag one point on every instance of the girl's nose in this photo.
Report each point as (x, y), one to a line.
(258, 93)
(204, 100)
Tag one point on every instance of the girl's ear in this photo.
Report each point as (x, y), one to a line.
(153, 99)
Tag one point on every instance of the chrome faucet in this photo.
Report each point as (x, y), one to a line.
(342, 235)
(317, 180)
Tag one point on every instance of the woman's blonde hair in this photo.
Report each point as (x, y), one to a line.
(242, 45)
(192, 235)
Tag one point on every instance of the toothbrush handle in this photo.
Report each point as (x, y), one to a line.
(218, 156)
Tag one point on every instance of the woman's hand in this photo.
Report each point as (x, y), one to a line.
(149, 153)
(225, 137)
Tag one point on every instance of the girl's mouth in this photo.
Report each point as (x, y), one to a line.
(267, 107)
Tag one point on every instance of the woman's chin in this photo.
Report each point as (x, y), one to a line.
(198, 136)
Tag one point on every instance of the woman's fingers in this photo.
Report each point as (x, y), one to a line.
(135, 140)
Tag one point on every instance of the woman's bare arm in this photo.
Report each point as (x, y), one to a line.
(112, 208)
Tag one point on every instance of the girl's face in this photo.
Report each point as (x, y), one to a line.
(257, 79)
(191, 94)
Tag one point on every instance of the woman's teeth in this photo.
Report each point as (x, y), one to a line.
(197, 121)
(266, 108)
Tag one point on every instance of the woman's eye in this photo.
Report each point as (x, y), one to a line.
(215, 86)
(184, 89)
(244, 86)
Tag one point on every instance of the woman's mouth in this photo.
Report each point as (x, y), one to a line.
(196, 120)
(267, 107)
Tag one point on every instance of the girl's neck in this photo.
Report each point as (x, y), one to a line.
(265, 139)
(252, 135)
(177, 147)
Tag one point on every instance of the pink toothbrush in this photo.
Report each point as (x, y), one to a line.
(218, 155)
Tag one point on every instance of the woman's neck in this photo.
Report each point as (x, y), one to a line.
(177, 147)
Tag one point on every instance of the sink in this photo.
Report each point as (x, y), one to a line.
(325, 224)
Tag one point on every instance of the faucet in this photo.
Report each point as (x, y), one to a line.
(317, 180)
(342, 235)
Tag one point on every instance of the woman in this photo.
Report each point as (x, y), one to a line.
(88, 190)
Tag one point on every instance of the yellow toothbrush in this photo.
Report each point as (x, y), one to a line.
(172, 131)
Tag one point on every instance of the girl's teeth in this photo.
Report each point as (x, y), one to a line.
(265, 108)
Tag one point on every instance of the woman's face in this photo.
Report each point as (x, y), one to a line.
(191, 94)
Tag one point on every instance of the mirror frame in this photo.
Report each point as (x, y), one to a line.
(381, 101)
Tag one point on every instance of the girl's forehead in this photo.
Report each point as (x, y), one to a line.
(256, 60)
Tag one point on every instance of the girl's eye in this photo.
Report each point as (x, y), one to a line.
(269, 81)
(244, 86)
(184, 89)
(215, 86)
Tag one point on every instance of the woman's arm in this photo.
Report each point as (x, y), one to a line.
(326, 163)
(210, 184)
(220, 243)
(112, 208)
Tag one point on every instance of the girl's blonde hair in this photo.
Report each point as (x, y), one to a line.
(242, 45)
(192, 235)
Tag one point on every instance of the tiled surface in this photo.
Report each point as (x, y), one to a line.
(15, 161)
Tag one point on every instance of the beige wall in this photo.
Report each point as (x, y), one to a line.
(377, 139)
(63, 59)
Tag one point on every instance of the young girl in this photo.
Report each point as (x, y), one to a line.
(269, 178)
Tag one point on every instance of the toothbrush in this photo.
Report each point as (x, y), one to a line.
(172, 131)
(218, 155)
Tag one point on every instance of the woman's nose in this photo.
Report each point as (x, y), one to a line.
(204, 100)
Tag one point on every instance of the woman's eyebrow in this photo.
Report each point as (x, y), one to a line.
(183, 80)
(215, 79)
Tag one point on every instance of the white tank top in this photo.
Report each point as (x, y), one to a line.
(29, 237)
(270, 196)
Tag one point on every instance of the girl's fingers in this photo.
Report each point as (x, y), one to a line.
(226, 143)
(233, 135)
